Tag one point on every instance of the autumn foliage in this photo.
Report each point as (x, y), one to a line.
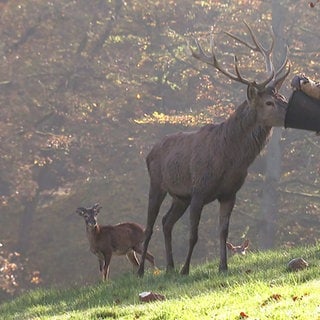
(85, 91)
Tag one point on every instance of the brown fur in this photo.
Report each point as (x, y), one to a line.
(238, 249)
(120, 239)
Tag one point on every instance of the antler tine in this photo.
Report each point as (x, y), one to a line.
(213, 61)
(278, 82)
(285, 61)
(258, 47)
(250, 46)
(236, 67)
(201, 55)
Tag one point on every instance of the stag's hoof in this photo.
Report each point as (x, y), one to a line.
(223, 269)
(140, 272)
(170, 269)
(184, 271)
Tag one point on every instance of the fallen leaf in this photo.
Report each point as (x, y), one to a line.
(274, 297)
(149, 296)
(243, 315)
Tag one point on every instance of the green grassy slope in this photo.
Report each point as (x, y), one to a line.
(257, 286)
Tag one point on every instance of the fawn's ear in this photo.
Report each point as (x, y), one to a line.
(245, 244)
(230, 246)
(81, 211)
(96, 208)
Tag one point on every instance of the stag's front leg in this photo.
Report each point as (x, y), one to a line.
(226, 207)
(175, 212)
(196, 207)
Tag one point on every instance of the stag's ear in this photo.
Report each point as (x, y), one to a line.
(252, 93)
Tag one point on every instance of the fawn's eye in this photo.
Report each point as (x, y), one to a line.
(269, 103)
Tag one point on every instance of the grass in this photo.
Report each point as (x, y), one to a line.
(257, 286)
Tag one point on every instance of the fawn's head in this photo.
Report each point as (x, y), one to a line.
(238, 249)
(89, 214)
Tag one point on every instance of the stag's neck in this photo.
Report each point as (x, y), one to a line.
(244, 134)
(243, 120)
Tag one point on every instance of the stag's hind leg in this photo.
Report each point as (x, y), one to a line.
(156, 197)
(177, 209)
(196, 207)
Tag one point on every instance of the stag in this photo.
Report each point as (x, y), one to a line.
(196, 168)
(120, 239)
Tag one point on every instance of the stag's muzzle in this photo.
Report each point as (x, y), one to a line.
(303, 112)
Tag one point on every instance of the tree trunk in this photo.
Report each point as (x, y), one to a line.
(270, 198)
(269, 203)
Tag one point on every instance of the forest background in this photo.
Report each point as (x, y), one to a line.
(86, 89)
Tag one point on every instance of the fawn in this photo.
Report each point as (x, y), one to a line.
(120, 239)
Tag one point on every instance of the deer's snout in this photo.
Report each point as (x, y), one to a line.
(91, 223)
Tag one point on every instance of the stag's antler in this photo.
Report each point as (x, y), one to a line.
(258, 47)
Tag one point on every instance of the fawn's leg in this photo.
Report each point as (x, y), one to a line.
(106, 266)
(138, 249)
(132, 257)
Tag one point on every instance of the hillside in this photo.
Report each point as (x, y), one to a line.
(88, 87)
(257, 286)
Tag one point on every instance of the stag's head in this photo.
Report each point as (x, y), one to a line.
(270, 106)
(89, 214)
(262, 97)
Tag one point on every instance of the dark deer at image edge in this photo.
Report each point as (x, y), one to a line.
(121, 239)
(196, 168)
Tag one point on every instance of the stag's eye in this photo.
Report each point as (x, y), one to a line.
(270, 103)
